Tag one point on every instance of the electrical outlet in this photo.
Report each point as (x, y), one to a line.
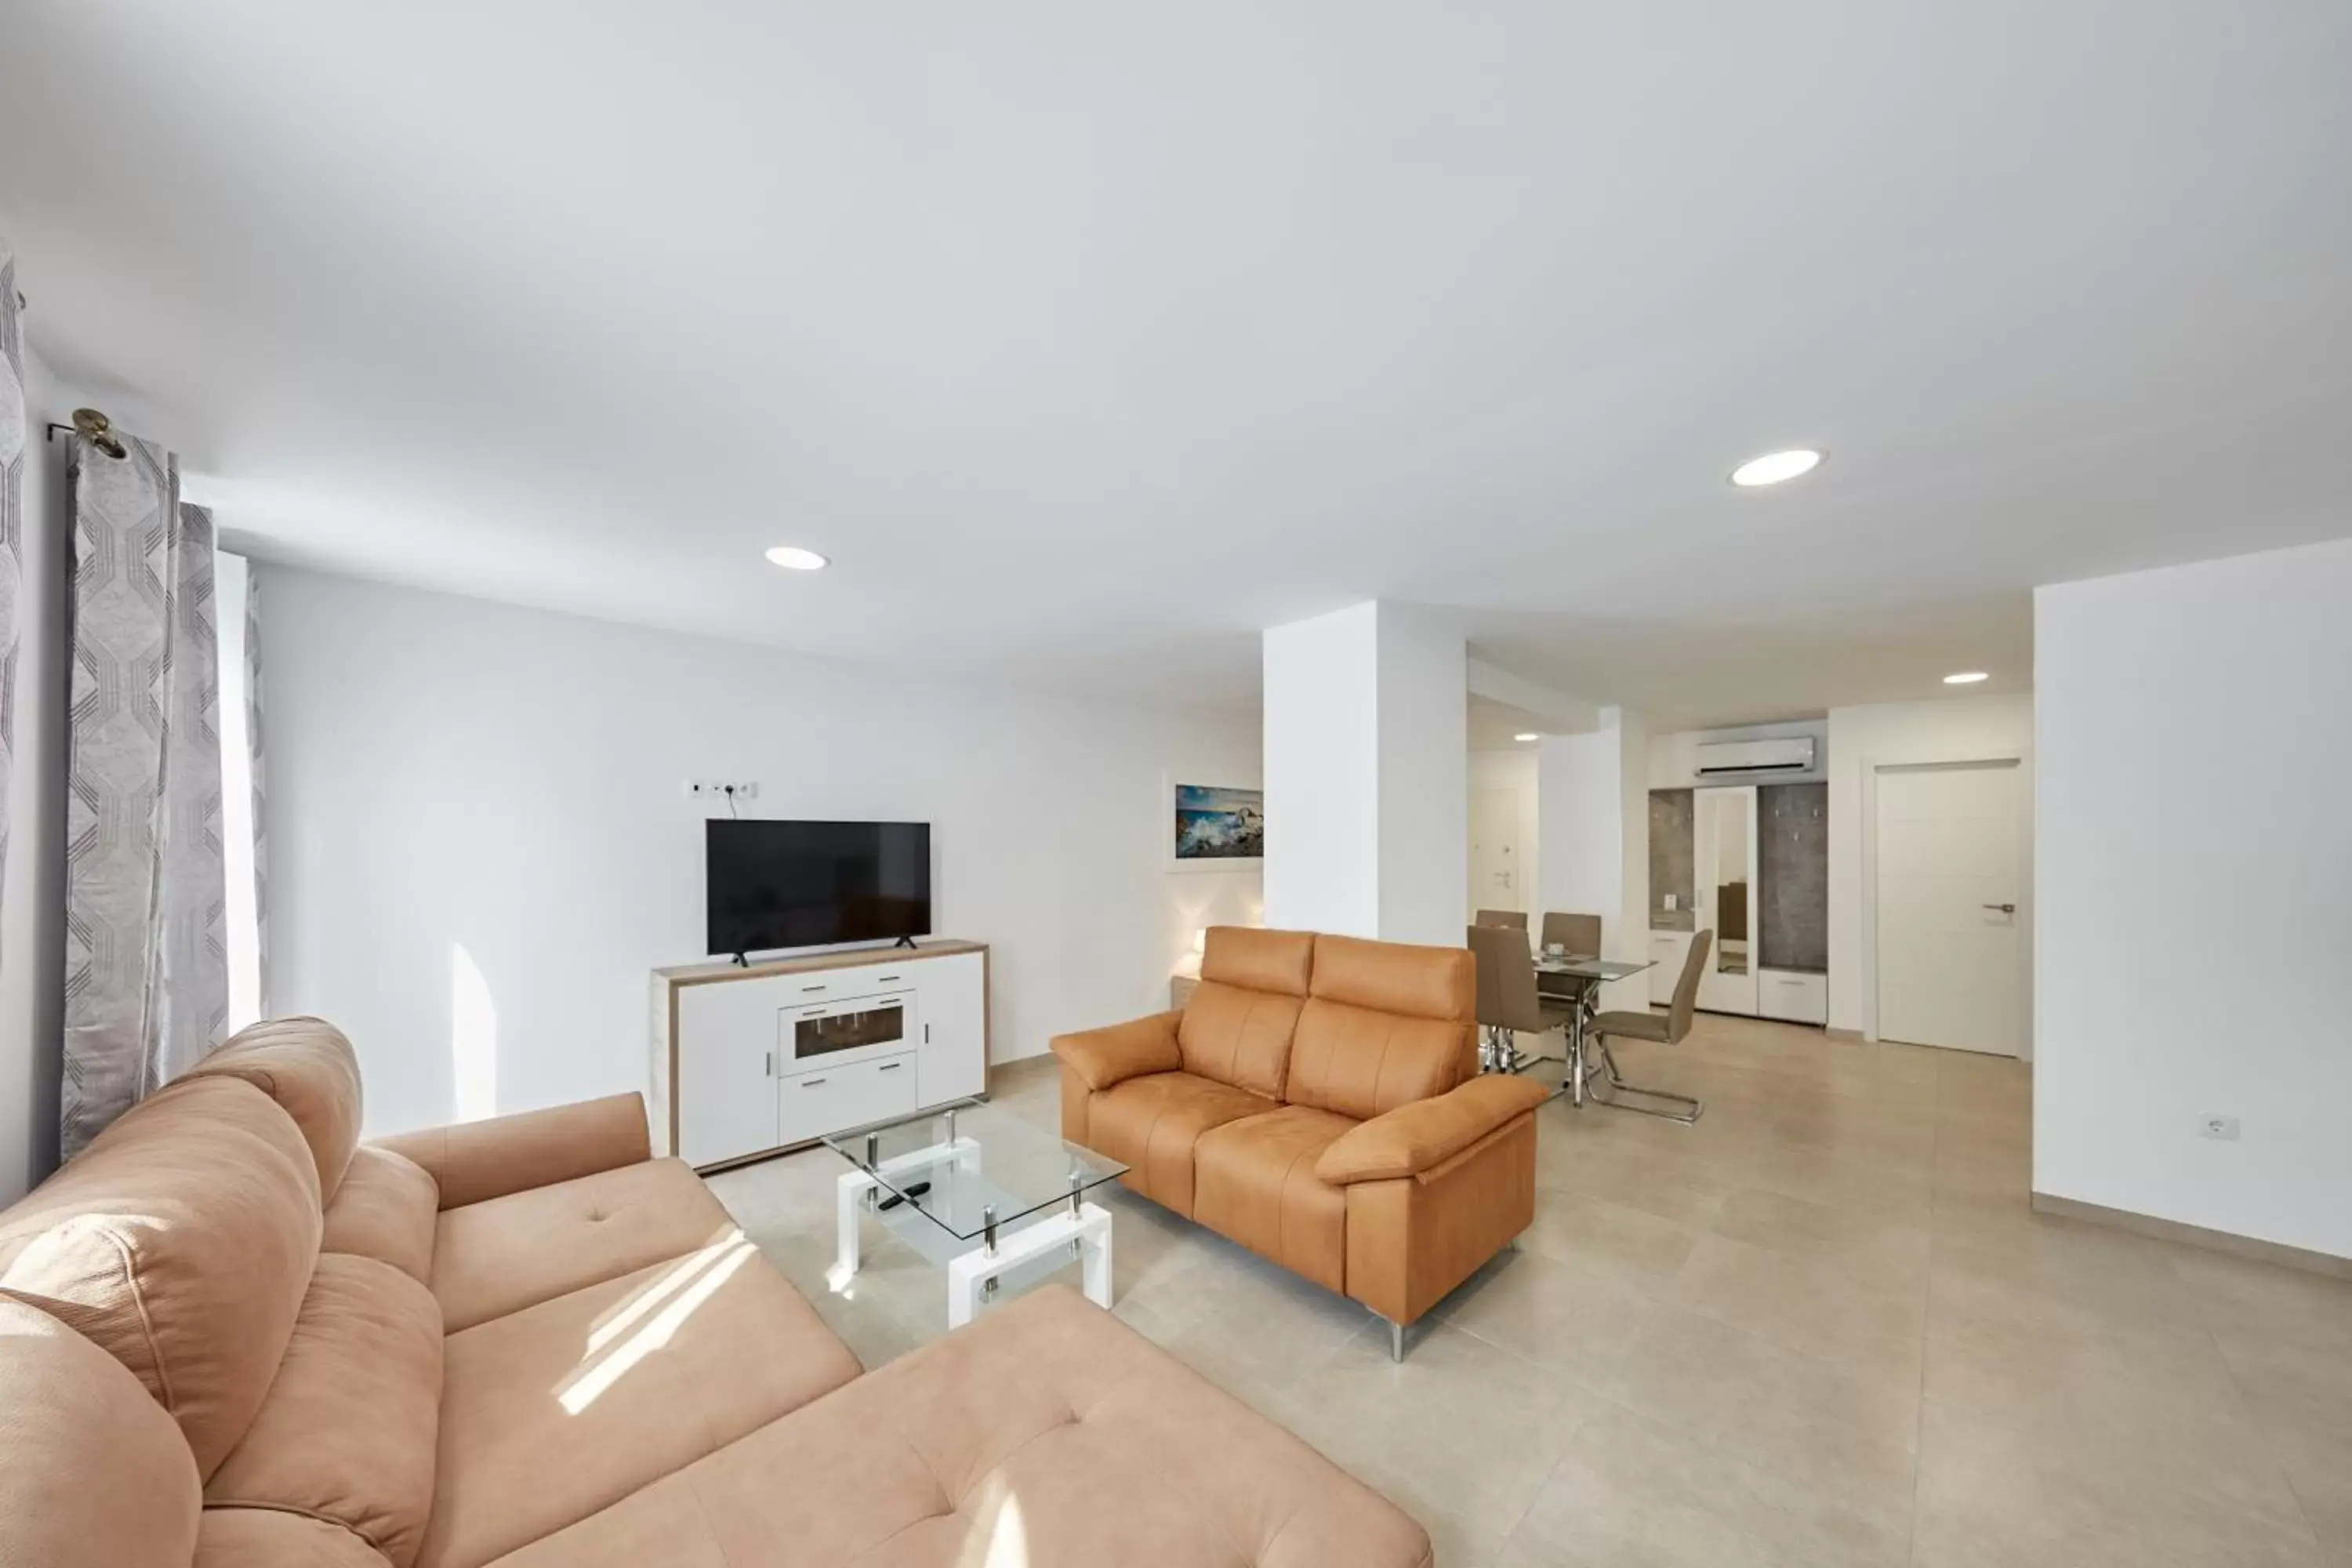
(2225, 1127)
(715, 792)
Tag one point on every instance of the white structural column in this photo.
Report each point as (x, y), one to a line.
(1366, 774)
(1593, 830)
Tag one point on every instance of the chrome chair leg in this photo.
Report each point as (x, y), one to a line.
(1617, 1086)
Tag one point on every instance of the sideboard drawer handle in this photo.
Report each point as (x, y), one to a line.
(811, 1082)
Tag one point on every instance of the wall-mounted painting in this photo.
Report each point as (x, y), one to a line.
(1212, 828)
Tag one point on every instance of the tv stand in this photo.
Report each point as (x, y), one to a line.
(904, 941)
(753, 1057)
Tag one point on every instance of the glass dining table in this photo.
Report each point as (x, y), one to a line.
(1580, 977)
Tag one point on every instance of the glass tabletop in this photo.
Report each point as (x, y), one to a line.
(971, 1167)
(1590, 968)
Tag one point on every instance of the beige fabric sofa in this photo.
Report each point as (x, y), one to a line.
(232, 1336)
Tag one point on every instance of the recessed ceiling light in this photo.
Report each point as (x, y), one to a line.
(1965, 678)
(1526, 735)
(793, 558)
(1772, 468)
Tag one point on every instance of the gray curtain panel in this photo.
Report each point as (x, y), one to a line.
(146, 958)
(14, 442)
(253, 736)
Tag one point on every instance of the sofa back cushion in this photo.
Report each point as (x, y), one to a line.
(1238, 1037)
(1397, 977)
(1255, 960)
(1384, 1023)
(387, 1209)
(1236, 1028)
(349, 1430)
(308, 1067)
(180, 1242)
(92, 1473)
(1360, 1063)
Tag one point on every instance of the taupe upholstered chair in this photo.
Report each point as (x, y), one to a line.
(1666, 1030)
(1508, 1002)
(1508, 920)
(1577, 935)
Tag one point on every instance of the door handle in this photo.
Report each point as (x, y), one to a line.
(2004, 909)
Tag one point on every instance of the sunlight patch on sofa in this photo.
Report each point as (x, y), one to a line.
(599, 1372)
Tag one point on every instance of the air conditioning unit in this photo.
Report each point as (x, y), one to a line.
(1786, 754)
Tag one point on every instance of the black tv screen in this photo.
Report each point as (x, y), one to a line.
(805, 884)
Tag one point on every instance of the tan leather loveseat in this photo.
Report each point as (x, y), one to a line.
(1318, 1099)
(231, 1336)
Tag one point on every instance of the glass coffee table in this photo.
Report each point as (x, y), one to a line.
(975, 1188)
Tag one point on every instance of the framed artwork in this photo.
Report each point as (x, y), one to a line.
(1213, 828)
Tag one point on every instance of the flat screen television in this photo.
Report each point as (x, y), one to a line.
(805, 884)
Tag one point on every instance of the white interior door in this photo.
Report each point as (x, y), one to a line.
(1948, 886)
(1495, 878)
(1724, 879)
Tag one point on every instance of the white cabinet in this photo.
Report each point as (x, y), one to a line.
(1667, 951)
(746, 1061)
(727, 1104)
(1797, 996)
(955, 1027)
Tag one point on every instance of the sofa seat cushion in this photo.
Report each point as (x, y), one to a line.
(1254, 1181)
(181, 1242)
(387, 1209)
(347, 1432)
(93, 1474)
(267, 1538)
(504, 1253)
(1151, 1123)
(1049, 1434)
(549, 1413)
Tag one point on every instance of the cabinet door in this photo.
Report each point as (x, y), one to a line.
(1668, 949)
(954, 1024)
(725, 1049)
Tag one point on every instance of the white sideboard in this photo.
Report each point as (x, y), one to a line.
(749, 1061)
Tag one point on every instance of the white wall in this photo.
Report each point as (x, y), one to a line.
(1953, 729)
(1595, 844)
(1322, 750)
(1514, 771)
(1367, 780)
(1424, 776)
(2195, 731)
(471, 803)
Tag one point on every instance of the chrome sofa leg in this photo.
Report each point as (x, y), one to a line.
(1617, 1086)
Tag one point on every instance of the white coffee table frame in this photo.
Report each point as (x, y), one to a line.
(972, 1274)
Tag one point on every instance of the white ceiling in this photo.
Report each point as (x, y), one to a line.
(1089, 341)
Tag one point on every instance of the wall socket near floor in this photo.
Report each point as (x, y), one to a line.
(2225, 1127)
(713, 792)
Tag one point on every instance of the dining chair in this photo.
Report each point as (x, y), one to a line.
(1507, 1002)
(1508, 920)
(1664, 1029)
(1577, 935)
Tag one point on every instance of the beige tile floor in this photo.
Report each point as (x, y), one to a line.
(1821, 1327)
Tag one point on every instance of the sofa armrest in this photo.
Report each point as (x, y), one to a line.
(1428, 1132)
(1121, 1051)
(478, 1159)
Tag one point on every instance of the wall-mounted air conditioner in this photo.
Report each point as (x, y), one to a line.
(1786, 754)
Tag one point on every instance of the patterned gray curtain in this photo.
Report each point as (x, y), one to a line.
(146, 955)
(253, 737)
(14, 443)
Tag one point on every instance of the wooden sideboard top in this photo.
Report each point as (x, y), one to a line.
(723, 970)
